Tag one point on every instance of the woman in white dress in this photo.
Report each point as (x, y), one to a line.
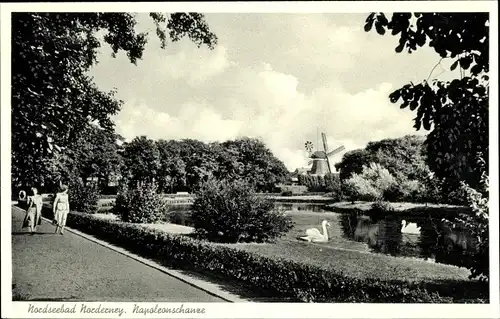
(61, 209)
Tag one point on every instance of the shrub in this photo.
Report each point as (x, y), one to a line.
(477, 225)
(406, 191)
(333, 186)
(299, 281)
(370, 185)
(433, 191)
(394, 193)
(83, 198)
(382, 207)
(231, 212)
(358, 188)
(140, 205)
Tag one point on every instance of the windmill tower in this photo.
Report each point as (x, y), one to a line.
(320, 159)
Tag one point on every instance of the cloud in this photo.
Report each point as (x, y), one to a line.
(271, 107)
(262, 84)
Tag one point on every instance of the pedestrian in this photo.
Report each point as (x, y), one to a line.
(61, 209)
(33, 216)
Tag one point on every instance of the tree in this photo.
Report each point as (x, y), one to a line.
(96, 155)
(258, 164)
(404, 157)
(172, 174)
(455, 112)
(352, 163)
(142, 160)
(200, 162)
(53, 98)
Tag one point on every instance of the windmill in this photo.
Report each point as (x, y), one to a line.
(320, 159)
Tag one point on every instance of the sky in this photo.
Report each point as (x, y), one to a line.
(274, 76)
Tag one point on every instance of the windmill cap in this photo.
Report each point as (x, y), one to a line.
(318, 154)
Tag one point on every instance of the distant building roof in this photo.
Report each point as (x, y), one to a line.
(302, 170)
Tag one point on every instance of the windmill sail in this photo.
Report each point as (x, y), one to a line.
(325, 144)
(325, 148)
(335, 151)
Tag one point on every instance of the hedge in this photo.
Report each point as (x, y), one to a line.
(305, 282)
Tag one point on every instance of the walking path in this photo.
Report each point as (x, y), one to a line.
(50, 267)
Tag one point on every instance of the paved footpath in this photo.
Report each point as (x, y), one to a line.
(50, 267)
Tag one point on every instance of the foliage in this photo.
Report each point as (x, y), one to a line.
(142, 160)
(140, 204)
(254, 162)
(358, 188)
(231, 212)
(433, 190)
(332, 182)
(314, 183)
(455, 112)
(53, 97)
(478, 226)
(95, 155)
(299, 281)
(405, 190)
(83, 198)
(382, 207)
(352, 163)
(370, 185)
(403, 157)
(186, 164)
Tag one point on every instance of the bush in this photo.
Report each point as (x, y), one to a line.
(231, 212)
(382, 207)
(370, 185)
(358, 188)
(333, 186)
(406, 191)
(477, 225)
(314, 183)
(83, 198)
(299, 281)
(140, 205)
(394, 193)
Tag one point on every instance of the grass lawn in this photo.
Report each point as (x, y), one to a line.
(358, 264)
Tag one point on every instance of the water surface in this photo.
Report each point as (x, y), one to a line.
(419, 236)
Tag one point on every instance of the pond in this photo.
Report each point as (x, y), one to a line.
(422, 236)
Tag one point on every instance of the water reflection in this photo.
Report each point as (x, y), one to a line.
(422, 237)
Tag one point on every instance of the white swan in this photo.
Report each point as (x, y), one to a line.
(409, 228)
(314, 235)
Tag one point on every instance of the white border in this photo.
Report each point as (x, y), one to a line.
(274, 310)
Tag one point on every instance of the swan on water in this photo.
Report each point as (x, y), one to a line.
(409, 228)
(314, 235)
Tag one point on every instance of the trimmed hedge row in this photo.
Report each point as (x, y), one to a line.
(289, 279)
